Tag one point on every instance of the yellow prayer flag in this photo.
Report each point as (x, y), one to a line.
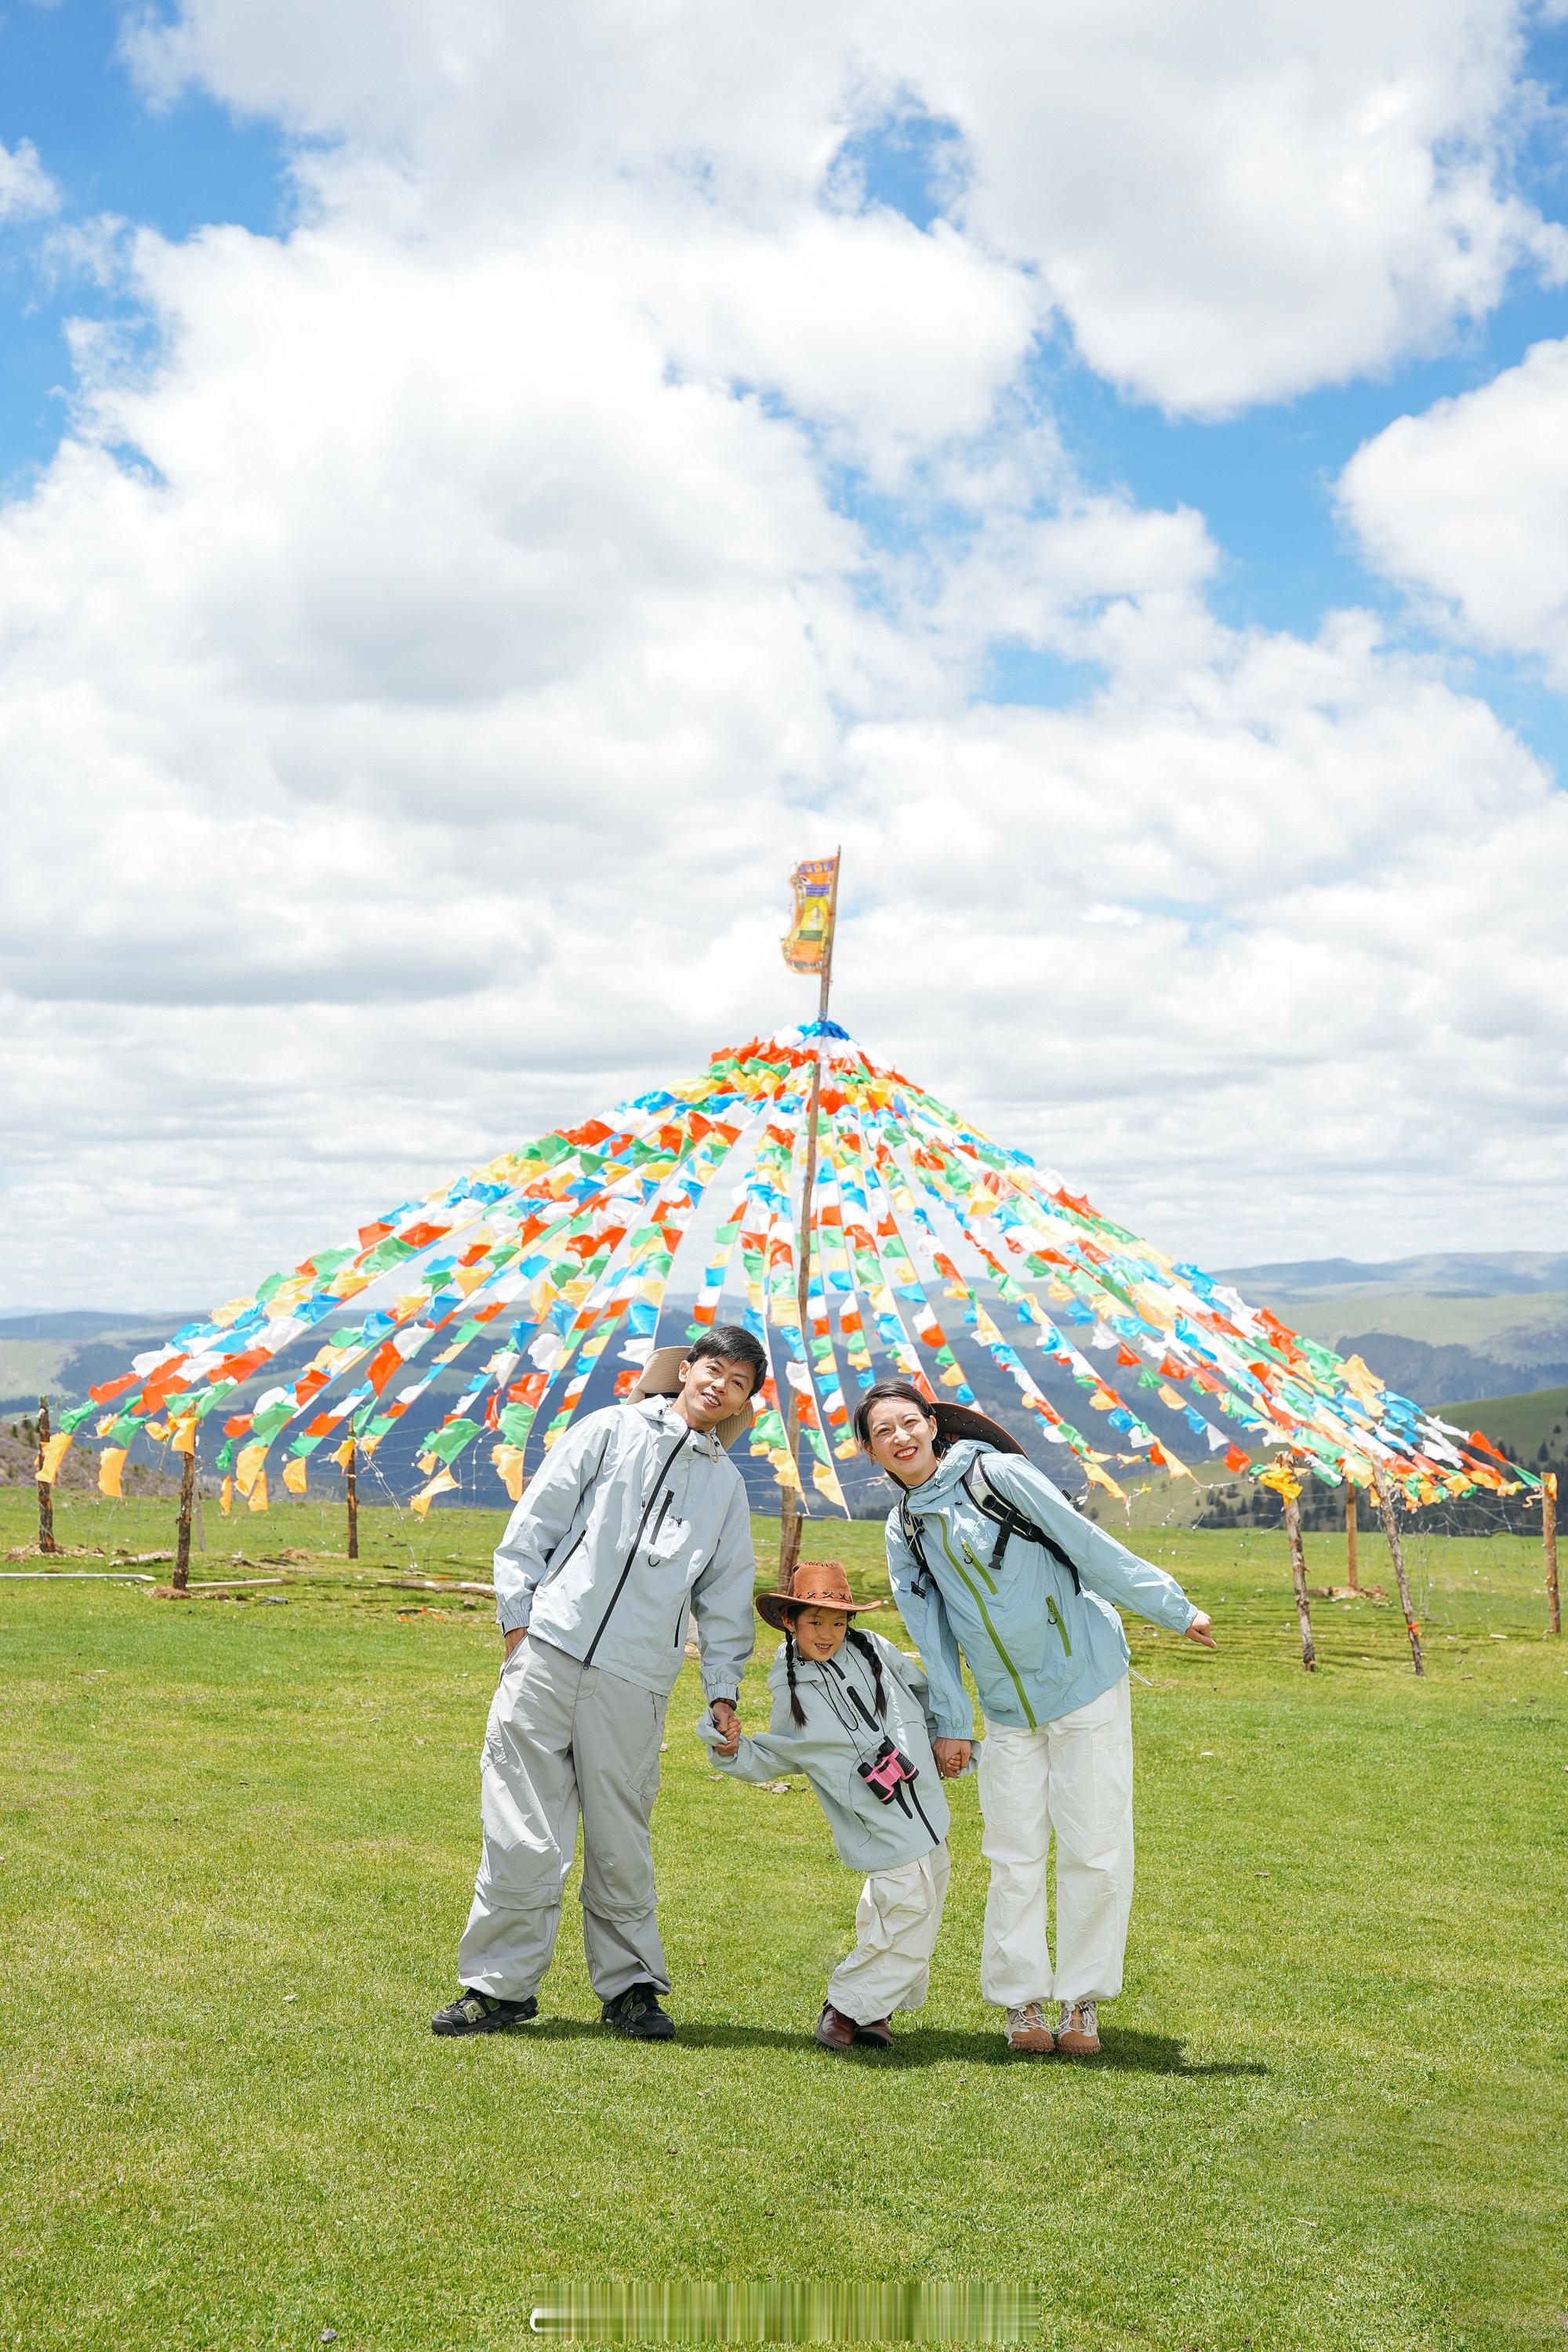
(226, 1497)
(258, 1492)
(55, 1452)
(182, 1436)
(294, 1473)
(111, 1463)
(442, 1484)
(1101, 1479)
(248, 1469)
(507, 1461)
(808, 944)
(340, 1452)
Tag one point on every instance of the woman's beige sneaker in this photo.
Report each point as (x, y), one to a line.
(1077, 2029)
(1027, 2031)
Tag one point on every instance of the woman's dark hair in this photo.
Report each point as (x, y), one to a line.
(736, 1345)
(907, 1393)
(863, 1643)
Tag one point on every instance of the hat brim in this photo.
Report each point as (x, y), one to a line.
(770, 1607)
(660, 1377)
(962, 1421)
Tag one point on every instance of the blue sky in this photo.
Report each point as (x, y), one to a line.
(635, 462)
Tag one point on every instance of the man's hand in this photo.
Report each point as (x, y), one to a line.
(1201, 1630)
(727, 1724)
(519, 1634)
(952, 1756)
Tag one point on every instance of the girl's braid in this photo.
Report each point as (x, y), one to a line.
(869, 1651)
(797, 1712)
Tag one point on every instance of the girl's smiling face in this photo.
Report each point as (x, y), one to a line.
(819, 1632)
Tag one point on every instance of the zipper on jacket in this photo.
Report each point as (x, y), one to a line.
(668, 1466)
(979, 1601)
(1056, 1622)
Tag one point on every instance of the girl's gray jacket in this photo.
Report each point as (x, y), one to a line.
(1036, 1648)
(841, 1730)
(634, 1524)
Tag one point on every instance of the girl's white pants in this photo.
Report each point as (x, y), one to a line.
(1073, 1775)
(895, 1922)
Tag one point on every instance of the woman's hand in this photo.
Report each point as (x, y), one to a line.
(518, 1635)
(1201, 1630)
(952, 1756)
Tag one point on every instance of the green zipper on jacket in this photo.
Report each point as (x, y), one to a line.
(975, 1595)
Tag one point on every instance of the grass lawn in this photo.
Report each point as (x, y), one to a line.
(236, 1844)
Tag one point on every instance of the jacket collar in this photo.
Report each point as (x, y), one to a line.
(947, 1475)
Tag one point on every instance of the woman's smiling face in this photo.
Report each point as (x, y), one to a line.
(902, 1441)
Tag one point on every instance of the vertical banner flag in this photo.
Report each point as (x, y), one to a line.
(811, 929)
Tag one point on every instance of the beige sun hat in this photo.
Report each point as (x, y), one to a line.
(662, 1377)
(815, 1584)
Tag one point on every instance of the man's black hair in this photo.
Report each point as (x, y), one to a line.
(737, 1345)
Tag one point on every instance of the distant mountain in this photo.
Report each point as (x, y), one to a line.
(1440, 1273)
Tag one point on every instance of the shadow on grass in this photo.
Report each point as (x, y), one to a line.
(1134, 2053)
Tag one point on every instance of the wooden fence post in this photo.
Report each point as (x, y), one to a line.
(182, 1575)
(1396, 1551)
(1548, 1546)
(1298, 1571)
(1350, 1582)
(351, 1491)
(46, 1489)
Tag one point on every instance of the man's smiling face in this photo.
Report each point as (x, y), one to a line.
(711, 1389)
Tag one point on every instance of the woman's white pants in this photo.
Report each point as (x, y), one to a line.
(1074, 1777)
(896, 1924)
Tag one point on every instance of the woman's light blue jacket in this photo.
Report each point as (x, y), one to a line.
(1036, 1648)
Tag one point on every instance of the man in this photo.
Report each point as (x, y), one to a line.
(637, 1521)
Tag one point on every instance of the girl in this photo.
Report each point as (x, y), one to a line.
(850, 1711)
(992, 1567)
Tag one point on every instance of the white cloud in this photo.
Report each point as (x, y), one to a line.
(421, 674)
(25, 188)
(1468, 505)
(1227, 204)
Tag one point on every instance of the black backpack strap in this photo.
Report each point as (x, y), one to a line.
(1009, 1522)
(909, 1529)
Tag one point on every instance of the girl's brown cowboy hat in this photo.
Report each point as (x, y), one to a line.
(661, 1377)
(815, 1584)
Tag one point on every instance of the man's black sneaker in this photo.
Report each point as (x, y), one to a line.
(478, 2012)
(637, 2013)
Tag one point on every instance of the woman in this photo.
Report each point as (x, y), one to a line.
(992, 1568)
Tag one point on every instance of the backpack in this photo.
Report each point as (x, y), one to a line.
(1008, 1521)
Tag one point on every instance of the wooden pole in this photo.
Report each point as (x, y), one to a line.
(1350, 1584)
(1298, 1572)
(44, 1486)
(1548, 1546)
(181, 1576)
(1396, 1552)
(790, 1512)
(351, 1491)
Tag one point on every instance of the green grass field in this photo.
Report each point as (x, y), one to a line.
(237, 1842)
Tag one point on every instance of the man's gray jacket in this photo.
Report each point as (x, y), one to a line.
(634, 1524)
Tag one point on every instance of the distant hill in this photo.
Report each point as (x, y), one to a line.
(1442, 1328)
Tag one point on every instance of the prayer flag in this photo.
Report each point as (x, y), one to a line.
(808, 944)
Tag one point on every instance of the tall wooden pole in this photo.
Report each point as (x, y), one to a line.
(790, 1514)
(351, 1491)
(1298, 1572)
(1396, 1552)
(181, 1576)
(1350, 1584)
(1548, 1546)
(44, 1486)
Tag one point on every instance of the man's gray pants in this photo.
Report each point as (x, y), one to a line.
(564, 1738)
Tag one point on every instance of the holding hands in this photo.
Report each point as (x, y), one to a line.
(727, 1723)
